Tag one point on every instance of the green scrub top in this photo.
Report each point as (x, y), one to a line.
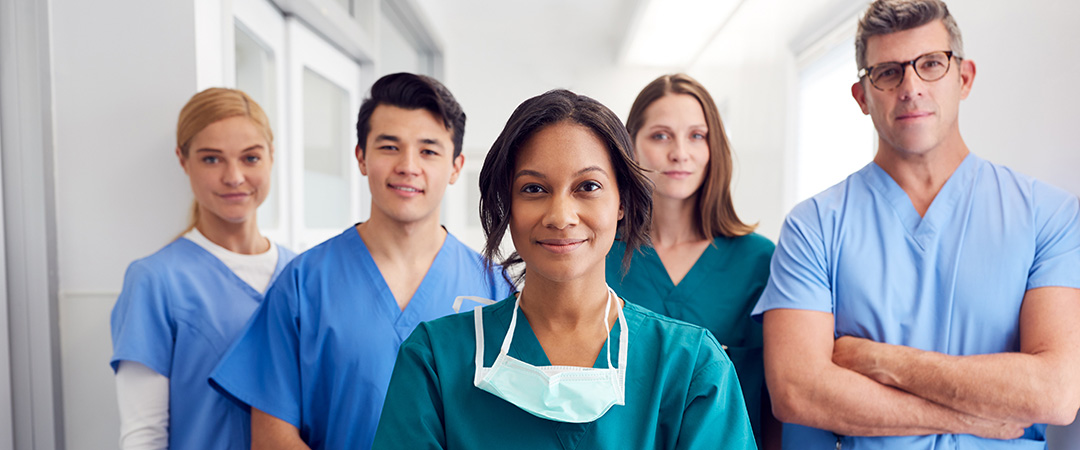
(681, 390)
(717, 293)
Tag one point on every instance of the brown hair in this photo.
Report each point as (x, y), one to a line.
(533, 115)
(212, 105)
(715, 210)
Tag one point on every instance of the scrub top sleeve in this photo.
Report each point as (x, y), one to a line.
(262, 369)
(412, 416)
(799, 275)
(1057, 240)
(143, 329)
(715, 414)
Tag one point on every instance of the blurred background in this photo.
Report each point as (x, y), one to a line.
(90, 93)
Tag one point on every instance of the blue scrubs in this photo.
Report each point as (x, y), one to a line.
(740, 267)
(681, 390)
(320, 351)
(179, 311)
(951, 281)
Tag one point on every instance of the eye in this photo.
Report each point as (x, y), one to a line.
(252, 159)
(532, 188)
(660, 136)
(429, 152)
(210, 159)
(697, 135)
(590, 186)
(389, 148)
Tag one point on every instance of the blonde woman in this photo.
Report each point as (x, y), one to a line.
(182, 307)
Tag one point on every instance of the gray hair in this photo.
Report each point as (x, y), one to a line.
(891, 16)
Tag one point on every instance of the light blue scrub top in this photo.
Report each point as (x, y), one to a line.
(952, 281)
(681, 390)
(179, 311)
(320, 351)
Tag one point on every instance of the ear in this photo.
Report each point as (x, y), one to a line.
(459, 162)
(621, 214)
(967, 77)
(858, 90)
(183, 160)
(360, 160)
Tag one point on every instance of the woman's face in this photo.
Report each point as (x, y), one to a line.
(564, 204)
(228, 163)
(673, 146)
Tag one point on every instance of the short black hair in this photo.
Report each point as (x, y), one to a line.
(535, 114)
(412, 91)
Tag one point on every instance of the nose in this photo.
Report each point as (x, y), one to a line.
(911, 85)
(408, 163)
(677, 150)
(561, 212)
(233, 176)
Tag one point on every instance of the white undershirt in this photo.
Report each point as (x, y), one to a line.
(142, 393)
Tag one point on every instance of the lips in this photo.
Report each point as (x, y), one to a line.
(405, 189)
(560, 245)
(677, 174)
(235, 196)
(910, 115)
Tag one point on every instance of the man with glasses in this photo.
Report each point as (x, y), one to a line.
(930, 300)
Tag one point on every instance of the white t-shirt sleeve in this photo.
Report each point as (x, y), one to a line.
(143, 395)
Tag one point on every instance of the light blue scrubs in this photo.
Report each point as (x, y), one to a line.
(952, 281)
(179, 311)
(320, 351)
(681, 390)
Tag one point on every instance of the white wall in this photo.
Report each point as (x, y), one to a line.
(122, 70)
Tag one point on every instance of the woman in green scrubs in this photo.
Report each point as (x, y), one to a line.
(704, 265)
(564, 363)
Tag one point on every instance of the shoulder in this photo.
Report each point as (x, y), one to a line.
(177, 256)
(677, 339)
(752, 244)
(1014, 188)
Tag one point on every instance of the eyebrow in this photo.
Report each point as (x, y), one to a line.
(527, 172)
(392, 138)
(214, 150)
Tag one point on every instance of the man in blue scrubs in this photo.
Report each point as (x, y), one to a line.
(930, 300)
(314, 364)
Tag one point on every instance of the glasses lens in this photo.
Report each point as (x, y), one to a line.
(932, 66)
(887, 75)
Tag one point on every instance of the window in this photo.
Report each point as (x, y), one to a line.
(834, 138)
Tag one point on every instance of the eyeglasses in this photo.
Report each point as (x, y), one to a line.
(930, 67)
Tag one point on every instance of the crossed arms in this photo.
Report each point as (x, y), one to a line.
(858, 387)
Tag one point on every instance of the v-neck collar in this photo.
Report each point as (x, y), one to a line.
(209, 258)
(697, 274)
(925, 228)
(526, 347)
(403, 320)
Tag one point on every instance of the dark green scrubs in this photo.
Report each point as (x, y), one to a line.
(718, 293)
(681, 391)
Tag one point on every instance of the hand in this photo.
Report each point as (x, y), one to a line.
(992, 429)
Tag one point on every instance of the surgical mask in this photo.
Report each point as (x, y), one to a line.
(560, 393)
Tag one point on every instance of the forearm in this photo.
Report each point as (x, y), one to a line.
(1003, 386)
(143, 398)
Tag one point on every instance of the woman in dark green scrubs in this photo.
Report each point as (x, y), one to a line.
(704, 265)
(564, 363)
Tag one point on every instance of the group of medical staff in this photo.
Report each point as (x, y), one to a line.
(623, 316)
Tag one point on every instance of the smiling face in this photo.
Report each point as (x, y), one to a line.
(409, 161)
(673, 146)
(229, 164)
(918, 116)
(564, 206)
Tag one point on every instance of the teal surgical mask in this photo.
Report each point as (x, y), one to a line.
(559, 393)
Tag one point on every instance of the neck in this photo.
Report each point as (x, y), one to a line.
(673, 221)
(567, 306)
(243, 237)
(394, 241)
(921, 175)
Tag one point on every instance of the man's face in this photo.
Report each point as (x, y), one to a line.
(409, 162)
(917, 116)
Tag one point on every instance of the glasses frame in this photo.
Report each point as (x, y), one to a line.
(865, 72)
